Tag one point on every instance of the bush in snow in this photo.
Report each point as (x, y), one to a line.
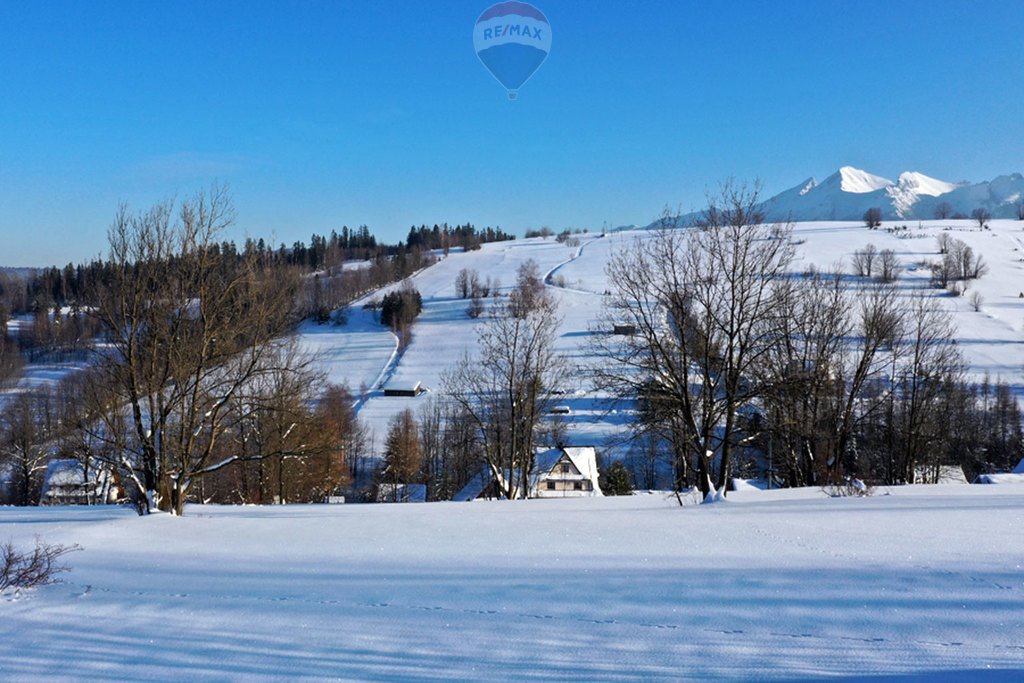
(848, 488)
(30, 568)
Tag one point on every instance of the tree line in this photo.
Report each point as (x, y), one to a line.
(735, 363)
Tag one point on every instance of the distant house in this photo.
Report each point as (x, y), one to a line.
(627, 329)
(401, 493)
(403, 390)
(1014, 477)
(557, 473)
(999, 478)
(65, 484)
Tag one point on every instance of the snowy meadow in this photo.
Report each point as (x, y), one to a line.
(913, 583)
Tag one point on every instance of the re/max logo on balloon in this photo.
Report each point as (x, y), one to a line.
(512, 39)
(512, 30)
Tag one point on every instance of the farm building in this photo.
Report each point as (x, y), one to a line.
(403, 390)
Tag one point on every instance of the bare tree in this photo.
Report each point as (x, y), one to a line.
(982, 216)
(942, 241)
(944, 271)
(864, 261)
(929, 363)
(802, 374)
(475, 308)
(529, 294)
(703, 302)
(462, 284)
(26, 434)
(276, 434)
(864, 363)
(943, 210)
(976, 300)
(967, 264)
(506, 389)
(188, 326)
(889, 268)
(873, 217)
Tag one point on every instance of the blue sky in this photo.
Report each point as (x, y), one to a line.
(323, 114)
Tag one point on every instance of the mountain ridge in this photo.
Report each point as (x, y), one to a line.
(849, 192)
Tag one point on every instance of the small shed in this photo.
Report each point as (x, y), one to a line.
(626, 329)
(400, 390)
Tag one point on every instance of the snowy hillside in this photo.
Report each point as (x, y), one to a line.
(363, 353)
(849, 192)
(778, 585)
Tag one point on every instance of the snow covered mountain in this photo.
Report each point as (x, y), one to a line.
(849, 192)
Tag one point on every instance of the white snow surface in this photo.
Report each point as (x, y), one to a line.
(857, 181)
(927, 581)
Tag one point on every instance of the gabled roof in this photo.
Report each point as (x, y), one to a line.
(584, 458)
(475, 486)
(406, 493)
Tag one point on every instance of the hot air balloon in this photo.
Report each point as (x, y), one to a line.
(512, 40)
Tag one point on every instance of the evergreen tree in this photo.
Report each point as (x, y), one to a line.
(616, 480)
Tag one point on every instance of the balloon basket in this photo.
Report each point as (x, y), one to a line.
(513, 95)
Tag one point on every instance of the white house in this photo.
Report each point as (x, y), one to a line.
(565, 473)
(557, 473)
(65, 484)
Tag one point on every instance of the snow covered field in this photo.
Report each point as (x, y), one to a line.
(786, 584)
